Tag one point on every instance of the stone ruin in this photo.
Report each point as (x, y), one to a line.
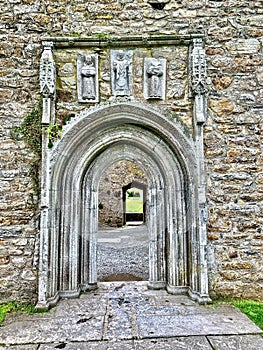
(169, 86)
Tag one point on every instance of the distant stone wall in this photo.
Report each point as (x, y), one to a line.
(110, 191)
(233, 133)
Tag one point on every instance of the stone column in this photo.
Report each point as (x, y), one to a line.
(156, 229)
(47, 89)
(93, 228)
(198, 89)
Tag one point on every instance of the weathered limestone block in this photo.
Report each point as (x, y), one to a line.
(259, 75)
(222, 83)
(221, 107)
(5, 94)
(244, 46)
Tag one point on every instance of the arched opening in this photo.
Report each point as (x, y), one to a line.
(134, 203)
(112, 197)
(69, 221)
(122, 251)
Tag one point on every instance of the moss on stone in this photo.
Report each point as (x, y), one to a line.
(30, 132)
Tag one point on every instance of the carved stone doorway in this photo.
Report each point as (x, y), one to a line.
(69, 217)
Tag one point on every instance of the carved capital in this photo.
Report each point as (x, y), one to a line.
(47, 74)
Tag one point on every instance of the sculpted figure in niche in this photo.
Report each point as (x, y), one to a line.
(154, 78)
(88, 73)
(154, 73)
(121, 73)
(87, 70)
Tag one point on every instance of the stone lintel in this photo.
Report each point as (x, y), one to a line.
(115, 41)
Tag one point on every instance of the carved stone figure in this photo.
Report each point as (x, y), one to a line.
(88, 73)
(88, 78)
(154, 73)
(154, 78)
(121, 70)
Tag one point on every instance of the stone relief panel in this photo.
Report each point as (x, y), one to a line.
(126, 78)
(88, 86)
(121, 72)
(154, 78)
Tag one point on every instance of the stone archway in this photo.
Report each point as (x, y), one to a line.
(92, 142)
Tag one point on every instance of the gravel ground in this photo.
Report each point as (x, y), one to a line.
(123, 254)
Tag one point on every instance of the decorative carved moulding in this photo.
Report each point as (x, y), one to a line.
(198, 67)
(198, 80)
(121, 72)
(87, 73)
(47, 74)
(121, 42)
(154, 78)
(47, 79)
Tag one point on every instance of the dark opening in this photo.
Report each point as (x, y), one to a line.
(157, 5)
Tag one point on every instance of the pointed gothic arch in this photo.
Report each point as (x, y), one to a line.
(94, 140)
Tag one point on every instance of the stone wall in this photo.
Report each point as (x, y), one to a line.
(110, 191)
(233, 133)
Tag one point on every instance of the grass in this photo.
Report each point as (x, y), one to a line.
(134, 206)
(14, 306)
(253, 309)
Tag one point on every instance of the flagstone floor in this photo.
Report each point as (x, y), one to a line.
(129, 316)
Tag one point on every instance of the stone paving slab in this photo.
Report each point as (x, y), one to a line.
(20, 347)
(179, 343)
(53, 330)
(200, 321)
(92, 305)
(240, 342)
(124, 316)
(234, 342)
(115, 345)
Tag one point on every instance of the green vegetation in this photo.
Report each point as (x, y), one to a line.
(101, 35)
(253, 309)
(134, 206)
(14, 306)
(54, 132)
(30, 132)
(173, 116)
(132, 194)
